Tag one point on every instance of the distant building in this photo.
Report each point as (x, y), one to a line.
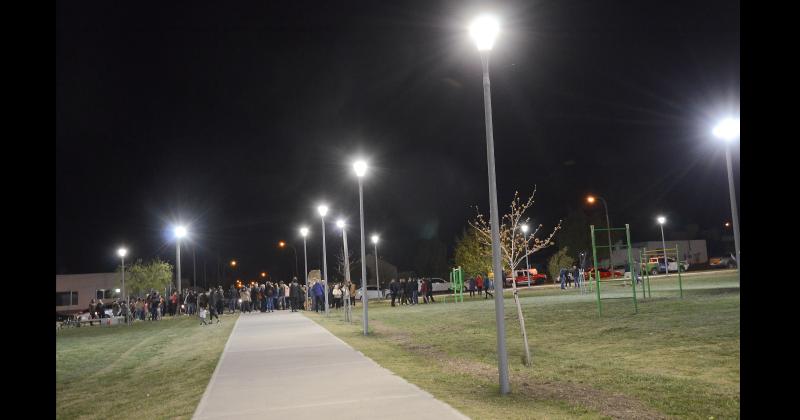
(75, 291)
(693, 251)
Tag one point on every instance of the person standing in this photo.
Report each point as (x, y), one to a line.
(479, 284)
(471, 286)
(352, 294)
(429, 290)
(294, 294)
(337, 296)
(423, 290)
(220, 301)
(576, 276)
(202, 302)
(562, 276)
(213, 300)
(319, 296)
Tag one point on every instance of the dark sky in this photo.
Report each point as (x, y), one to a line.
(239, 118)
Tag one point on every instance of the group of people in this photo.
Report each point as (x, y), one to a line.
(478, 284)
(407, 291)
(570, 276)
(268, 297)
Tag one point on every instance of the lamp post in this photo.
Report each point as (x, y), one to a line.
(591, 199)
(377, 278)
(122, 252)
(341, 225)
(283, 244)
(728, 130)
(524, 229)
(661, 221)
(484, 30)
(360, 167)
(180, 232)
(304, 233)
(323, 210)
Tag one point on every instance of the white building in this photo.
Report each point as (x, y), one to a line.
(75, 291)
(693, 251)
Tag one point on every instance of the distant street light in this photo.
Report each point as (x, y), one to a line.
(377, 278)
(661, 220)
(122, 252)
(304, 233)
(323, 210)
(283, 244)
(591, 199)
(180, 232)
(484, 30)
(524, 229)
(360, 168)
(728, 130)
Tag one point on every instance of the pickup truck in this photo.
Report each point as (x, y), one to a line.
(655, 265)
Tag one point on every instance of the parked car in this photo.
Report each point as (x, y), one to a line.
(722, 262)
(655, 265)
(439, 285)
(605, 273)
(372, 293)
(521, 278)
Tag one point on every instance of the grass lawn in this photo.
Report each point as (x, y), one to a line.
(675, 358)
(147, 370)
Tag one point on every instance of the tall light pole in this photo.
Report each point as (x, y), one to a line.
(524, 229)
(341, 225)
(323, 210)
(484, 30)
(377, 279)
(180, 232)
(283, 244)
(122, 252)
(360, 167)
(304, 233)
(728, 130)
(661, 221)
(591, 199)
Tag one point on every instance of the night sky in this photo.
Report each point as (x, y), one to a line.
(239, 118)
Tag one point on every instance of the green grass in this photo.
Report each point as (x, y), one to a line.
(675, 358)
(147, 370)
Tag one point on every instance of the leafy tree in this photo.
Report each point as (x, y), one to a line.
(471, 254)
(141, 277)
(559, 260)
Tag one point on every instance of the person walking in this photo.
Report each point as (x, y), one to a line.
(487, 284)
(429, 290)
(576, 276)
(562, 276)
(202, 303)
(423, 290)
(479, 284)
(213, 300)
(471, 286)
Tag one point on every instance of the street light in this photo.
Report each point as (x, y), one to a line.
(524, 229)
(283, 244)
(591, 199)
(122, 252)
(304, 233)
(323, 210)
(484, 30)
(377, 278)
(728, 130)
(180, 232)
(360, 166)
(341, 225)
(661, 220)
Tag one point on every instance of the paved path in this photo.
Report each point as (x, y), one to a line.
(282, 365)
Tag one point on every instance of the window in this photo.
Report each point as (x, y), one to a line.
(66, 298)
(103, 294)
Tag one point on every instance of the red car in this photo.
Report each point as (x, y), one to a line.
(604, 273)
(522, 278)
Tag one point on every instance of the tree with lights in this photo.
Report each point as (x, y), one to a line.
(514, 247)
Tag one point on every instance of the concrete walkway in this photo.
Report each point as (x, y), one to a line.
(282, 365)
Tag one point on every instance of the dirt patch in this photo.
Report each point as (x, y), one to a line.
(618, 406)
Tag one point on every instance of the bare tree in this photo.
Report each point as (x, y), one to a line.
(340, 263)
(514, 247)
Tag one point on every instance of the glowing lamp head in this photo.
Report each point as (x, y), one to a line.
(180, 231)
(281, 244)
(661, 220)
(340, 223)
(590, 199)
(375, 239)
(263, 274)
(360, 167)
(322, 209)
(524, 228)
(484, 30)
(233, 263)
(122, 252)
(727, 224)
(727, 129)
(304, 231)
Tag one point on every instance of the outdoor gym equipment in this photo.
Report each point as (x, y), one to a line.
(656, 254)
(612, 279)
(457, 284)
